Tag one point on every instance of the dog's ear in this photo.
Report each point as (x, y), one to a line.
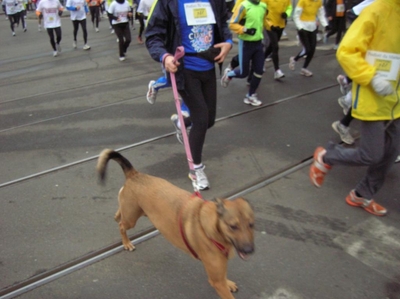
(220, 206)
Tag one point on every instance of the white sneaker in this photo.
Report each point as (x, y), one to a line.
(112, 31)
(122, 58)
(55, 54)
(325, 39)
(225, 79)
(292, 63)
(97, 30)
(74, 44)
(151, 95)
(344, 84)
(252, 100)
(335, 47)
(58, 48)
(199, 178)
(86, 47)
(278, 74)
(39, 28)
(306, 72)
(397, 159)
(176, 123)
(342, 103)
(344, 132)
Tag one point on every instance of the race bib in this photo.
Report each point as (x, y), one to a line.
(387, 64)
(199, 13)
(340, 8)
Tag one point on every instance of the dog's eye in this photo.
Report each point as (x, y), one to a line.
(251, 225)
(233, 227)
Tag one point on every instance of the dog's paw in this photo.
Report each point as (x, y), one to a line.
(129, 246)
(232, 286)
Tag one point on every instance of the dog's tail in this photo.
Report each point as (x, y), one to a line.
(107, 155)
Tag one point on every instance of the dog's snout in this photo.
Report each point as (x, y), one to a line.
(248, 249)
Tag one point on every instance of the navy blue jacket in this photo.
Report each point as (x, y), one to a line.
(163, 32)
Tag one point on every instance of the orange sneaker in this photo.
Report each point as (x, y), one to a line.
(318, 169)
(369, 205)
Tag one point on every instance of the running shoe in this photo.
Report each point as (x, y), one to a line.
(318, 169)
(369, 205)
(122, 58)
(13, 34)
(278, 74)
(25, 29)
(112, 31)
(306, 72)
(199, 178)
(397, 159)
(97, 30)
(344, 132)
(344, 85)
(151, 95)
(86, 47)
(342, 103)
(252, 100)
(74, 44)
(325, 41)
(225, 79)
(269, 58)
(175, 122)
(292, 63)
(55, 53)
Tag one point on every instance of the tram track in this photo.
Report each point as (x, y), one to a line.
(88, 159)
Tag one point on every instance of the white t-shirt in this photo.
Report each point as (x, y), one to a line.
(11, 8)
(145, 6)
(120, 11)
(49, 10)
(79, 14)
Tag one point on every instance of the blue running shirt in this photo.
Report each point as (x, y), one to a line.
(196, 38)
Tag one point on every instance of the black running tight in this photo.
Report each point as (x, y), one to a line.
(200, 95)
(50, 32)
(309, 42)
(95, 13)
(76, 27)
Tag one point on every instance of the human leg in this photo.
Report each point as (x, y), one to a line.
(75, 24)
(127, 36)
(120, 35)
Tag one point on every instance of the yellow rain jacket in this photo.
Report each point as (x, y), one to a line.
(370, 45)
(275, 10)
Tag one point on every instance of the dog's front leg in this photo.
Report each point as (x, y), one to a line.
(216, 271)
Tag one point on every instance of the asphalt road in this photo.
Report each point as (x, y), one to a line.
(57, 114)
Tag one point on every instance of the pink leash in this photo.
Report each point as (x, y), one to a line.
(179, 53)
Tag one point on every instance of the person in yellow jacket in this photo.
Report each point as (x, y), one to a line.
(278, 12)
(370, 54)
(305, 18)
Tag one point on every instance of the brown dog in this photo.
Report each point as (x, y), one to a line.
(206, 230)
